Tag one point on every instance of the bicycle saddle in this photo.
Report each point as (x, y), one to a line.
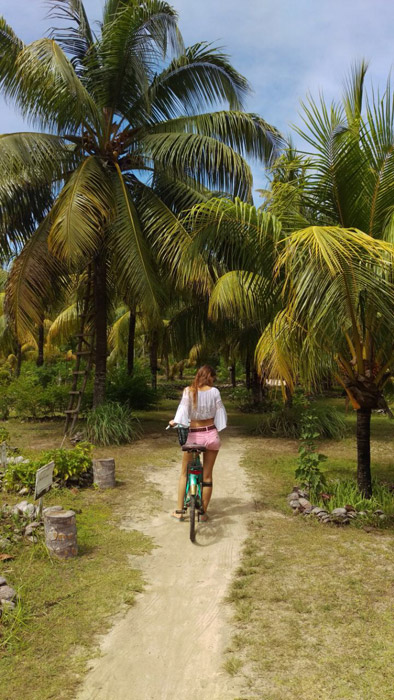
(193, 448)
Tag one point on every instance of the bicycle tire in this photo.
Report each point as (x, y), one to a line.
(192, 514)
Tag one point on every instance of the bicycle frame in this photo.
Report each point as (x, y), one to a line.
(194, 480)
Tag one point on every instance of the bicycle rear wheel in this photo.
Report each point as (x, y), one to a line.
(192, 513)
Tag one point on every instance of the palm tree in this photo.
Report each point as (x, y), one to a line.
(125, 142)
(334, 281)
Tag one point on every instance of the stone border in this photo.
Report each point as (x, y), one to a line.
(298, 501)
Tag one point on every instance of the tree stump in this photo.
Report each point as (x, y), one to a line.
(61, 533)
(104, 473)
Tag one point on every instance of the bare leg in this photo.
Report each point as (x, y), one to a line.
(187, 457)
(209, 461)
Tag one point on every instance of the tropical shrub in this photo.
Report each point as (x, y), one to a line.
(286, 421)
(133, 390)
(112, 424)
(347, 493)
(308, 472)
(72, 466)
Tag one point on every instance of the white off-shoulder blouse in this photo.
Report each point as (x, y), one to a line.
(209, 405)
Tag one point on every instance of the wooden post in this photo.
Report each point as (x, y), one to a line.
(61, 533)
(104, 473)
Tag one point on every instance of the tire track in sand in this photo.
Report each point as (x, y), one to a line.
(171, 642)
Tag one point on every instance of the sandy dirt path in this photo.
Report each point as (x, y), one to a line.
(171, 643)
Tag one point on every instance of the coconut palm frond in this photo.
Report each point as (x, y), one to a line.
(248, 134)
(77, 39)
(84, 206)
(240, 295)
(65, 325)
(44, 85)
(36, 280)
(201, 77)
(133, 261)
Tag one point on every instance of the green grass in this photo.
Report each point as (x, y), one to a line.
(65, 605)
(313, 604)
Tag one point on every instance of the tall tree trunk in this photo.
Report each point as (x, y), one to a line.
(40, 357)
(232, 375)
(130, 344)
(247, 372)
(256, 388)
(153, 350)
(289, 397)
(100, 323)
(18, 360)
(364, 452)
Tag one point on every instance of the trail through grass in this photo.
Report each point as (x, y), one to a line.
(314, 604)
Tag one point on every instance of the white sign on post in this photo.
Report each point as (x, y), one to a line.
(44, 479)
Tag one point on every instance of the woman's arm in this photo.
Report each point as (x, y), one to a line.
(182, 416)
(220, 419)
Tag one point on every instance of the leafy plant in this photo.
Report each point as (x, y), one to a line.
(347, 493)
(4, 434)
(286, 421)
(308, 472)
(112, 424)
(70, 466)
(133, 391)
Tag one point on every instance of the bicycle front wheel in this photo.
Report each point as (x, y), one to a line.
(192, 513)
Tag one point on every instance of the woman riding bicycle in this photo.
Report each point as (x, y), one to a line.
(202, 409)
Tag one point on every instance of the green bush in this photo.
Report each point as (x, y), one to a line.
(4, 434)
(133, 391)
(286, 422)
(308, 472)
(112, 424)
(347, 493)
(71, 466)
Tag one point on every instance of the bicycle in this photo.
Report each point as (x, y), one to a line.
(194, 484)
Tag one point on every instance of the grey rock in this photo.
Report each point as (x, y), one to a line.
(3, 582)
(293, 496)
(24, 491)
(378, 512)
(303, 494)
(9, 604)
(382, 516)
(362, 512)
(352, 514)
(20, 507)
(339, 512)
(29, 529)
(322, 513)
(30, 510)
(4, 544)
(316, 510)
(7, 593)
(295, 504)
(305, 503)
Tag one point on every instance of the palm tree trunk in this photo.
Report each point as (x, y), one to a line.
(130, 344)
(364, 452)
(153, 350)
(100, 323)
(40, 357)
(247, 372)
(233, 376)
(18, 360)
(256, 388)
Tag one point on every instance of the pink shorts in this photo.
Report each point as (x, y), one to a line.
(209, 438)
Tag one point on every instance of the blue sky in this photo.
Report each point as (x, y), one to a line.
(284, 47)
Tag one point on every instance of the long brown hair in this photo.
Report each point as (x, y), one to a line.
(205, 375)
